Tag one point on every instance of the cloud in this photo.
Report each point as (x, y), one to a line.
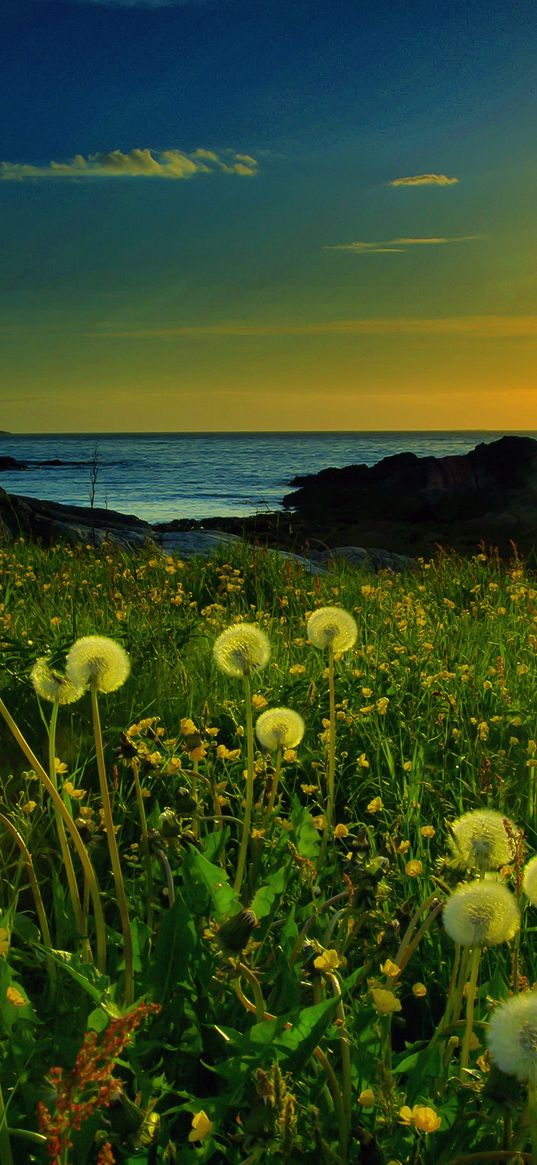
(425, 180)
(479, 327)
(397, 246)
(171, 164)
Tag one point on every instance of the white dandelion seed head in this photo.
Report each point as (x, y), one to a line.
(96, 659)
(512, 1037)
(481, 914)
(332, 627)
(279, 728)
(529, 883)
(480, 840)
(241, 649)
(51, 685)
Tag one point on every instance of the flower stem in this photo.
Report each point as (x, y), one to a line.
(39, 905)
(76, 904)
(331, 760)
(470, 1001)
(63, 811)
(113, 849)
(241, 863)
(6, 1156)
(145, 843)
(532, 1112)
(346, 1083)
(275, 783)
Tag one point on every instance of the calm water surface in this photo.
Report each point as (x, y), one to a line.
(160, 477)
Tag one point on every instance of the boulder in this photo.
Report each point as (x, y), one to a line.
(415, 503)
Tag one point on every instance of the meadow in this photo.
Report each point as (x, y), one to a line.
(305, 938)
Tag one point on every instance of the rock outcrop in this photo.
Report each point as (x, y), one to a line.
(413, 504)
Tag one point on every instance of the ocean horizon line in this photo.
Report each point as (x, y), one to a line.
(256, 432)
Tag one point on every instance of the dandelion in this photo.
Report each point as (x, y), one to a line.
(512, 1037)
(238, 651)
(478, 914)
(331, 627)
(241, 649)
(529, 884)
(483, 840)
(481, 914)
(51, 685)
(98, 662)
(279, 728)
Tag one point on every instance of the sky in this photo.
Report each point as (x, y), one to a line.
(268, 215)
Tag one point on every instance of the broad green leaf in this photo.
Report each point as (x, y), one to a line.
(85, 974)
(198, 872)
(265, 896)
(308, 839)
(175, 946)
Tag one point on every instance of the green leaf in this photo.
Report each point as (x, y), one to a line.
(175, 946)
(309, 1026)
(265, 896)
(85, 974)
(308, 841)
(214, 885)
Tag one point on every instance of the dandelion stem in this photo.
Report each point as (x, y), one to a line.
(346, 1083)
(113, 849)
(470, 1001)
(6, 1156)
(256, 987)
(532, 1113)
(39, 905)
(82, 852)
(241, 863)
(74, 894)
(331, 758)
(145, 842)
(275, 783)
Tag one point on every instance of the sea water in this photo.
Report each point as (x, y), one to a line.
(163, 476)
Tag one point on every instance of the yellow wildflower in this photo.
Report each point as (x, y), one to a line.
(259, 702)
(328, 961)
(390, 969)
(76, 794)
(319, 821)
(427, 831)
(413, 868)
(419, 990)
(201, 1127)
(366, 1098)
(14, 996)
(341, 830)
(363, 761)
(224, 753)
(309, 789)
(382, 705)
(59, 765)
(297, 669)
(385, 1001)
(376, 805)
(29, 807)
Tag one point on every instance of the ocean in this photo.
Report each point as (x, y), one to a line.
(163, 476)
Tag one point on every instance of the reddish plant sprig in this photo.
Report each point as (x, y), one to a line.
(89, 1085)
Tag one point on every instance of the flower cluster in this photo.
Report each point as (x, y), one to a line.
(90, 1084)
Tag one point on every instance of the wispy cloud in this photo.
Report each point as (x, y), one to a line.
(480, 327)
(170, 164)
(397, 246)
(425, 180)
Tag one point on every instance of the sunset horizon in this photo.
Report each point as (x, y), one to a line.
(267, 220)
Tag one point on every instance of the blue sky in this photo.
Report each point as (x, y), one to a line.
(214, 205)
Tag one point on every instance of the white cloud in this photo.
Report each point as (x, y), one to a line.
(397, 246)
(425, 180)
(171, 164)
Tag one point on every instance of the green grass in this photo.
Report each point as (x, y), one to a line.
(435, 716)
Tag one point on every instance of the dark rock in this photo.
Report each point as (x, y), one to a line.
(414, 503)
(9, 463)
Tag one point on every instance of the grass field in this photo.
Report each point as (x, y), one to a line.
(216, 951)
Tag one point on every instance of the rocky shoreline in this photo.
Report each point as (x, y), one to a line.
(413, 505)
